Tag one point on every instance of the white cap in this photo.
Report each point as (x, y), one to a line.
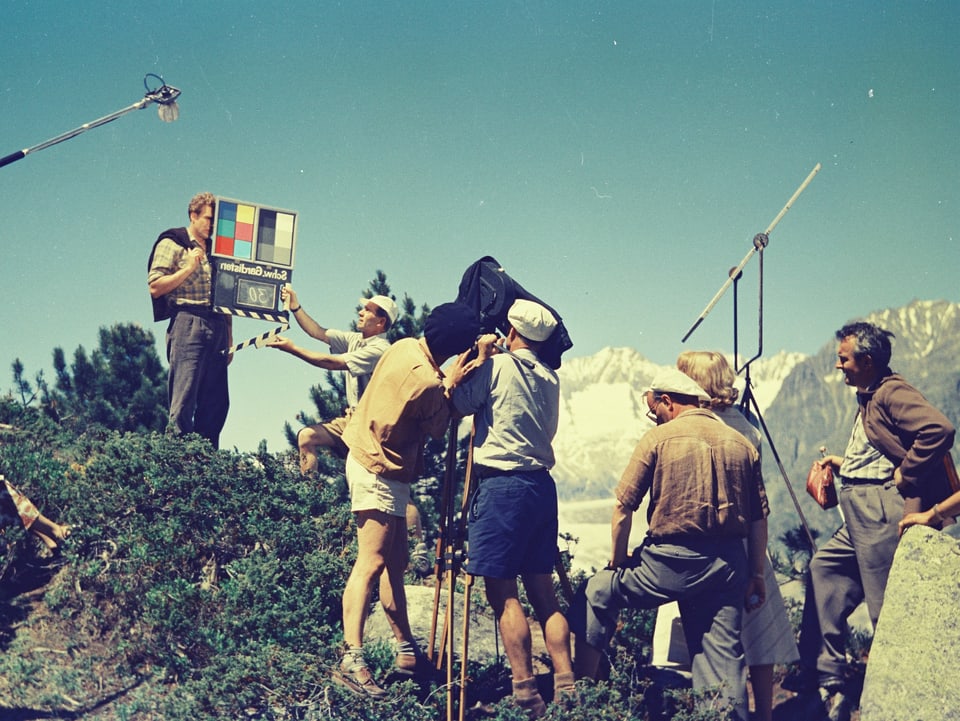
(671, 380)
(531, 320)
(385, 304)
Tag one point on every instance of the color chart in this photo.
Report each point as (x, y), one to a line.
(253, 248)
(251, 232)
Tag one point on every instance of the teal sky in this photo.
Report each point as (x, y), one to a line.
(616, 157)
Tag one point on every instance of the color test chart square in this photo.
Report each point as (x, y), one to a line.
(252, 232)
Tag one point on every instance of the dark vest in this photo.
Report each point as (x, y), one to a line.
(161, 310)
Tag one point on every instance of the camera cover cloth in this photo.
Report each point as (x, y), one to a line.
(488, 289)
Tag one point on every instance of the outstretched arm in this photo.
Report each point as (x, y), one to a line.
(308, 324)
(321, 360)
(940, 513)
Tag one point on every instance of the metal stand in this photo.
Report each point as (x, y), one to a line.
(748, 403)
(165, 97)
(760, 242)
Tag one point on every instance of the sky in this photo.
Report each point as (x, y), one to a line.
(616, 158)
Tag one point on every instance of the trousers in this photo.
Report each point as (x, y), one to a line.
(707, 577)
(851, 568)
(197, 383)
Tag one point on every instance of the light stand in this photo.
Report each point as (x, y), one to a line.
(760, 242)
(748, 403)
(165, 97)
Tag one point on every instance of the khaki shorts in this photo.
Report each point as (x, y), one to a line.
(336, 428)
(370, 492)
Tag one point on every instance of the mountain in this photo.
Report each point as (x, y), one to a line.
(802, 399)
(603, 413)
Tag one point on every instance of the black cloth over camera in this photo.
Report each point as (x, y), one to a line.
(487, 288)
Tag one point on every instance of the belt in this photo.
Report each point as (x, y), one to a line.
(201, 311)
(863, 481)
(481, 472)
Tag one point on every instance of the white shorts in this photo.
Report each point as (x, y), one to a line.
(370, 492)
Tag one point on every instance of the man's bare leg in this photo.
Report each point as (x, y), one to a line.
(504, 599)
(393, 596)
(556, 630)
(310, 440)
(374, 533)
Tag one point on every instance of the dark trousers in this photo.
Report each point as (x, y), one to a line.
(850, 568)
(197, 383)
(707, 577)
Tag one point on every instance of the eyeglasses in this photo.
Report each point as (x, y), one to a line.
(652, 412)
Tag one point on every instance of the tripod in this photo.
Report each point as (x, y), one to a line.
(447, 566)
(760, 242)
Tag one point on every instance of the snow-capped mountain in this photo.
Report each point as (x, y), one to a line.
(603, 413)
(802, 399)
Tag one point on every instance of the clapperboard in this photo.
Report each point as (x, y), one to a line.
(253, 253)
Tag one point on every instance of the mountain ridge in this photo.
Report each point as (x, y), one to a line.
(802, 399)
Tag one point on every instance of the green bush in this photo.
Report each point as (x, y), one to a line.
(207, 584)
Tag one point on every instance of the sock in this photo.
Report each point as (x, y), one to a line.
(406, 648)
(563, 683)
(527, 697)
(352, 658)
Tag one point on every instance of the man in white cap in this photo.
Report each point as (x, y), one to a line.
(355, 352)
(706, 496)
(512, 522)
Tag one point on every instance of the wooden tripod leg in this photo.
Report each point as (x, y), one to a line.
(448, 637)
(437, 584)
(464, 656)
(468, 578)
(444, 544)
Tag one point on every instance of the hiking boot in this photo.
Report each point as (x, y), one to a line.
(413, 665)
(359, 680)
(835, 704)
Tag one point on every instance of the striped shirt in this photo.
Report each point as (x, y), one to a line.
(862, 461)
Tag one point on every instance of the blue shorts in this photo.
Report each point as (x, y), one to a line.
(512, 526)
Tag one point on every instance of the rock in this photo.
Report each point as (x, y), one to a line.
(912, 670)
(481, 645)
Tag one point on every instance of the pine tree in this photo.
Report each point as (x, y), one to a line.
(120, 386)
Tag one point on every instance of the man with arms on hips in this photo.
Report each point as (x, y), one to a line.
(893, 464)
(406, 400)
(512, 523)
(179, 280)
(706, 496)
(355, 352)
